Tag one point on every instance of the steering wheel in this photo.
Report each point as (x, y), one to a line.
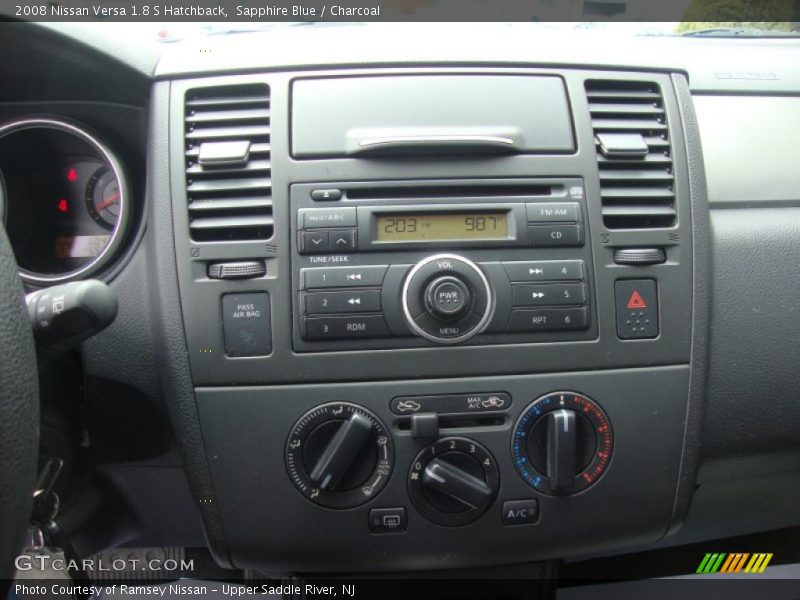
(19, 414)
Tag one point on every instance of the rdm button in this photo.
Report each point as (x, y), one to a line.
(246, 324)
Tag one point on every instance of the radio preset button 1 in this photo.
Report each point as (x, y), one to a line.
(544, 270)
(549, 294)
(555, 235)
(334, 277)
(547, 319)
(552, 212)
(317, 218)
(343, 328)
(342, 302)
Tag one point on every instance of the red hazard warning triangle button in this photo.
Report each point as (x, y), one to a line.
(636, 303)
(636, 300)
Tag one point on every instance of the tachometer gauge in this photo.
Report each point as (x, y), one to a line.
(103, 198)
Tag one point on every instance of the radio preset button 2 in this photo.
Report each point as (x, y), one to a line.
(355, 301)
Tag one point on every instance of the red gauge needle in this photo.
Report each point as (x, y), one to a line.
(107, 202)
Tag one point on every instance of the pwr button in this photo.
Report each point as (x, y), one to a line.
(637, 308)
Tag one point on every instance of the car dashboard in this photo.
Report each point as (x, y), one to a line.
(375, 306)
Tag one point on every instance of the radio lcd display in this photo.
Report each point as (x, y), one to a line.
(424, 227)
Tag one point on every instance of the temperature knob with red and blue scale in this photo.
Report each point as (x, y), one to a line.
(562, 443)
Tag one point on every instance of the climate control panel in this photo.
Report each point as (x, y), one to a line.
(340, 455)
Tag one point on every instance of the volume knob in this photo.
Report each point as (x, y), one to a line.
(447, 299)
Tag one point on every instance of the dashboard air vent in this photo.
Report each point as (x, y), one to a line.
(228, 169)
(633, 154)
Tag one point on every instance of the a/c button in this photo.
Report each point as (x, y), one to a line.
(520, 512)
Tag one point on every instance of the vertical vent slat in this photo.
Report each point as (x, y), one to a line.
(636, 186)
(230, 199)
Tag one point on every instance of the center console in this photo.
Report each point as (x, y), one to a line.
(436, 318)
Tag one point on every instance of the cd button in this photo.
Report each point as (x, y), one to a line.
(555, 235)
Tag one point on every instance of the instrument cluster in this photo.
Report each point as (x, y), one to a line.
(66, 204)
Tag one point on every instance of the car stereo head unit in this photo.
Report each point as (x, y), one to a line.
(405, 264)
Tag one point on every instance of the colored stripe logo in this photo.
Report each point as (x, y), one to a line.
(735, 562)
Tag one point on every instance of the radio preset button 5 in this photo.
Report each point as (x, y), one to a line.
(549, 294)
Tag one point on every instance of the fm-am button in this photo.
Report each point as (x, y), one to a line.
(344, 328)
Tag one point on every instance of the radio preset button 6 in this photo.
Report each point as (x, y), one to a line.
(544, 270)
(547, 319)
(335, 277)
(555, 235)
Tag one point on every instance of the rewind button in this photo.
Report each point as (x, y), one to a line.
(355, 301)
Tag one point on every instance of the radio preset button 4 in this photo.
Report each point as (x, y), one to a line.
(544, 270)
